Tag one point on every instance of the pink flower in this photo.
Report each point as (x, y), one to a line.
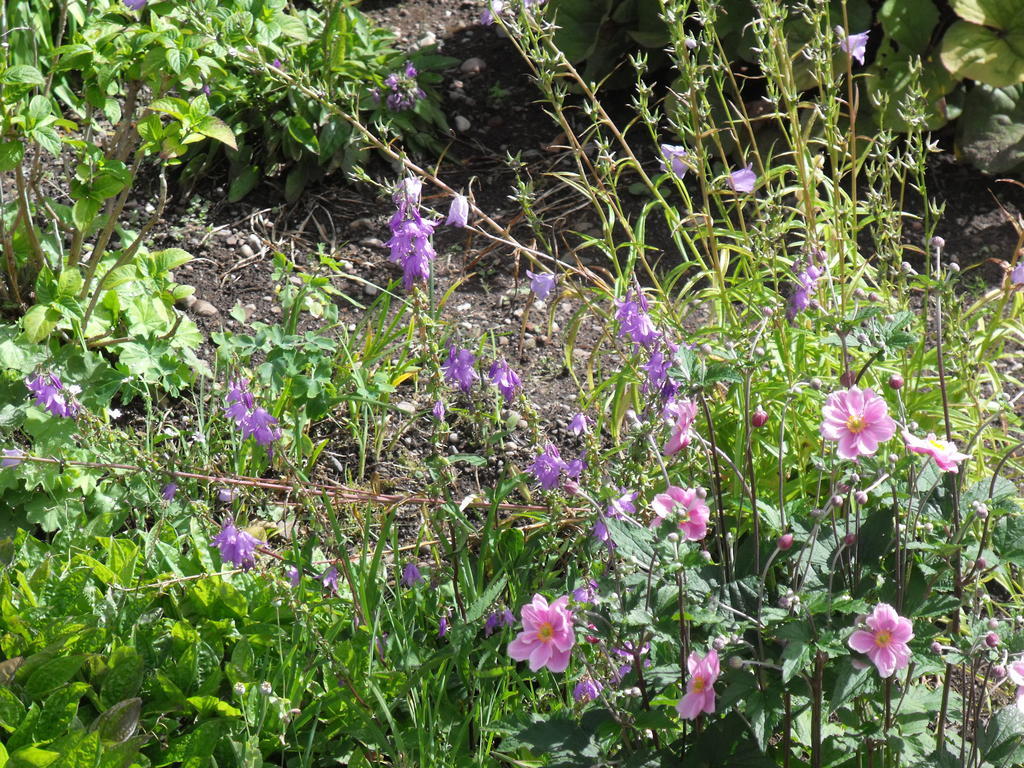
(859, 420)
(686, 505)
(1015, 671)
(885, 640)
(682, 412)
(547, 635)
(700, 691)
(943, 451)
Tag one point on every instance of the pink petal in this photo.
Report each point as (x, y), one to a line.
(885, 660)
(709, 701)
(559, 661)
(690, 706)
(540, 655)
(848, 446)
(521, 648)
(861, 641)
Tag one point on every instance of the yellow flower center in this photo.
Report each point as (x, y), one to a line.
(699, 684)
(937, 445)
(546, 632)
(855, 424)
(883, 638)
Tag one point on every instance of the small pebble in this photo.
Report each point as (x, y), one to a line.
(363, 222)
(473, 66)
(204, 308)
(462, 124)
(246, 251)
(372, 242)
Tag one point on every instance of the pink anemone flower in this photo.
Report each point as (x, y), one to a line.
(547, 636)
(700, 690)
(682, 412)
(858, 420)
(687, 506)
(885, 640)
(946, 456)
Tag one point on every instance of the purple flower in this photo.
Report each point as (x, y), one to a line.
(1017, 275)
(294, 575)
(227, 495)
(806, 285)
(411, 575)
(541, 283)
(252, 420)
(276, 64)
(600, 531)
(622, 505)
(330, 579)
(855, 45)
(52, 395)
(168, 491)
(491, 12)
(438, 410)
(743, 180)
(634, 321)
(135, 5)
(578, 425)
(575, 467)
(410, 243)
(458, 368)
(508, 618)
(405, 91)
(458, 213)
(547, 467)
(12, 457)
(505, 379)
(586, 690)
(657, 373)
(236, 546)
(442, 625)
(492, 624)
(678, 157)
(585, 594)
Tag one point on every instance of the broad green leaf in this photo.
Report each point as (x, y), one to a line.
(59, 710)
(909, 22)
(52, 674)
(11, 154)
(1002, 742)
(991, 56)
(40, 321)
(992, 128)
(1001, 14)
(12, 711)
(124, 676)
(215, 128)
(84, 213)
(118, 724)
(22, 74)
(32, 757)
(69, 283)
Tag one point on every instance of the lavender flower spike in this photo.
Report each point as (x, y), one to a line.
(236, 546)
(505, 379)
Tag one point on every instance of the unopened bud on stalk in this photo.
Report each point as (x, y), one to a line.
(785, 542)
(861, 498)
(938, 242)
(993, 624)
(759, 418)
(992, 640)
(895, 381)
(837, 500)
(736, 662)
(850, 539)
(815, 383)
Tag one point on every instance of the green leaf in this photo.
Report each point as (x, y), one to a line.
(59, 710)
(300, 130)
(909, 22)
(22, 74)
(12, 711)
(69, 283)
(243, 183)
(991, 56)
(1001, 14)
(52, 674)
(992, 128)
(40, 321)
(118, 723)
(210, 706)
(215, 128)
(32, 757)
(176, 108)
(1003, 738)
(124, 676)
(11, 155)
(479, 606)
(83, 214)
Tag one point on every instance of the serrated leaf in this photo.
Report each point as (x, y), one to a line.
(1002, 742)
(40, 321)
(11, 155)
(22, 74)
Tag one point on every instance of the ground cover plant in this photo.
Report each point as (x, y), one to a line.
(781, 527)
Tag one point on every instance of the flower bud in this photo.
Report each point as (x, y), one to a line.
(673, 537)
(991, 639)
(702, 493)
(981, 564)
(785, 542)
(861, 498)
(239, 689)
(759, 418)
(266, 688)
(837, 500)
(936, 647)
(895, 381)
(848, 379)
(850, 539)
(736, 662)
(998, 672)
(938, 242)
(705, 555)
(719, 643)
(993, 623)
(815, 383)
